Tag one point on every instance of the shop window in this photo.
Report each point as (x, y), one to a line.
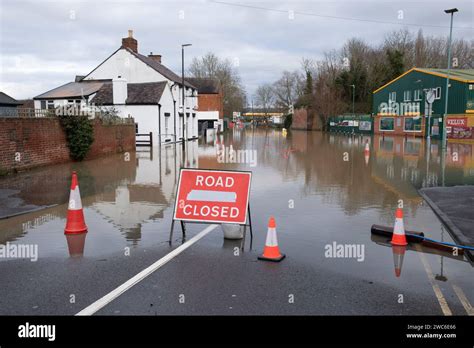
(387, 124)
(412, 124)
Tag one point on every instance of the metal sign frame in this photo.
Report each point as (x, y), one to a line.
(248, 219)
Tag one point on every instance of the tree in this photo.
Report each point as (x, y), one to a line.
(211, 66)
(396, 65)
(286, 89)
(264, 97)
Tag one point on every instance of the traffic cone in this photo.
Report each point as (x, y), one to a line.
(398, 254)
(271, 252)
(398, 237)
(75, 216)
(367, 148)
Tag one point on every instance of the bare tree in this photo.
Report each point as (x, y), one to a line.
(287, 89)
(264, 97)
(211, 66)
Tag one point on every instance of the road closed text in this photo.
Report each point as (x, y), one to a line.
(212, 196)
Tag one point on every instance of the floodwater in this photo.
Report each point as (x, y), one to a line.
(321, 188)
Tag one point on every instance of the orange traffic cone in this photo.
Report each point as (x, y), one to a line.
(398, 254)
(271, 252)
(367, 148)
(398, 237)
(75, 216)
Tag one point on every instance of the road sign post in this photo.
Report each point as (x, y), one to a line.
(212, 196)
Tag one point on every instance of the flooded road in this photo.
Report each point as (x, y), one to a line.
(322, 189)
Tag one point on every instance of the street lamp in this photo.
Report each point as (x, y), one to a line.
(183, 95)
(444, 137)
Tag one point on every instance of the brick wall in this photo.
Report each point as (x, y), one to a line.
(31, 142)
(211, 102)
(306, 119)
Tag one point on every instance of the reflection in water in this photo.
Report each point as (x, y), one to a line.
(127, 190)
(75, 244)
(398, 255)
(130, 193)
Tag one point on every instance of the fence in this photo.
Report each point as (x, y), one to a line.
(350, 124)
(105, 117)
(25, 112)
(144, 142)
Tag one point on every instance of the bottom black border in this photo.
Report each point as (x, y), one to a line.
(225, 330)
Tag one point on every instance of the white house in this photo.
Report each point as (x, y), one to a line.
(136, 86)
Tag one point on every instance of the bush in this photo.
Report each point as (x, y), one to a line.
(3, 172)
(288, 121)
(79, 135)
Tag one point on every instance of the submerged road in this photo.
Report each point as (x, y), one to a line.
(125, 265)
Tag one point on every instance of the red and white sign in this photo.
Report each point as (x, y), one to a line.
(457, 122)
(213, 196)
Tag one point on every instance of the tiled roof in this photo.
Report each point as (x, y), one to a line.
(6, 99)
(148, 93)
(72, 90)
(205, 85)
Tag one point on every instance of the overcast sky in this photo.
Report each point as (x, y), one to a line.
(46, 43)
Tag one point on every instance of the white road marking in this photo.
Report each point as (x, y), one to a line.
(462, 297)
(102, 302)
(439, 295)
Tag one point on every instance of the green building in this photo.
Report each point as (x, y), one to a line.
(404, 105)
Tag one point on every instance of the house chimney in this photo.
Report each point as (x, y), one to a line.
(119, 90)
(130, 42)
(156, 57)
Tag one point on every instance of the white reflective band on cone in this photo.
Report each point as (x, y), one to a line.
(271, 238)
(75, 199)
(398, 229)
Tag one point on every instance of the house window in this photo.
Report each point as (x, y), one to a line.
(437, 92)
(387, 124)
(412, 124)
(407, 96)
(136, 128)
(167, 119)
(417, 95)
(392, 97)
(50, 104)
(194, 114)
(43, 104)
(187, 114)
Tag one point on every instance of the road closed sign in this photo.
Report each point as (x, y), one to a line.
(213, 196)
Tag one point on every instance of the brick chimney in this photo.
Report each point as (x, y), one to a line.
(130, 42)
(156, 57)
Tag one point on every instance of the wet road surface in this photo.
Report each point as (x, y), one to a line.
(321, 190)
